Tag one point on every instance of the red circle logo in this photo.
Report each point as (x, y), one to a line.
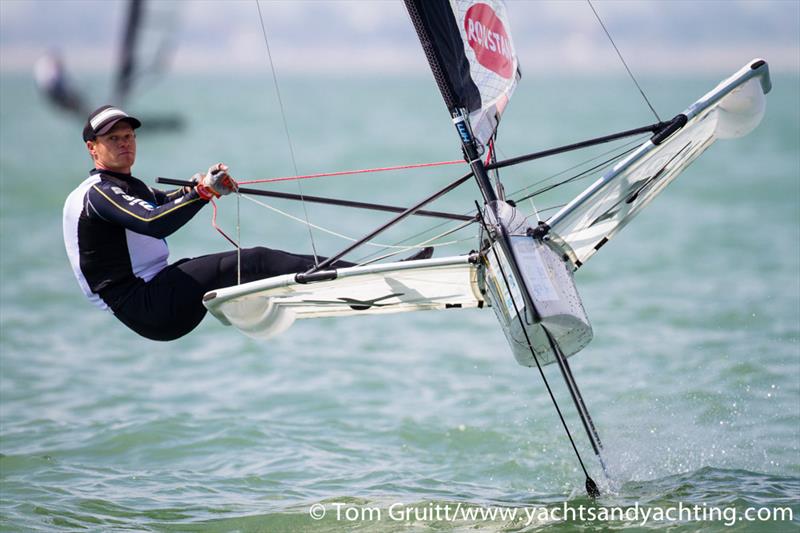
(487, 37)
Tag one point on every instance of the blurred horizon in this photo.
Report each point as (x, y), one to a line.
(711, 36)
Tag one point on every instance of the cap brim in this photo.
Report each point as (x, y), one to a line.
(105, 128)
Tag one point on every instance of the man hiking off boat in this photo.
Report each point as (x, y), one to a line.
(51, 77)
(115, 228)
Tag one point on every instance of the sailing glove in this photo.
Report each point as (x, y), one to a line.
(217, 182)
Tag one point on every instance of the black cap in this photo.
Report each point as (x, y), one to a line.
(102, 119)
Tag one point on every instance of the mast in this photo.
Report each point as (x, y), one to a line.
(127, 55)
(480, 48)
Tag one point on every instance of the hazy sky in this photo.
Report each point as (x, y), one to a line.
(696, 35)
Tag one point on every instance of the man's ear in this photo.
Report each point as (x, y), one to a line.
(90, 147)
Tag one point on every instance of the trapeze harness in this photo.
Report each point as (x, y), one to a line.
(114, 231)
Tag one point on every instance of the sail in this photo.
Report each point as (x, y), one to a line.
(267, 307)
(127, 56)
(147, 41)
(732, 109)
(470, 51)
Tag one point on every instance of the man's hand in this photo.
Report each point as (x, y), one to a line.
(216, 182)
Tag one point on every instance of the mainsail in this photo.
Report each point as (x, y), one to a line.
(468, 45)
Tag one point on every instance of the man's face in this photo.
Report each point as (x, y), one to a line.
(116, 150)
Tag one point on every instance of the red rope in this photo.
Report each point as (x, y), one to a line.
(214, 223)
(489, 152)
(346, 172)
(340, 173)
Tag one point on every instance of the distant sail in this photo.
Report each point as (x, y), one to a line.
(127, 55)
(470, 51)
(51, 78)
(146, 45)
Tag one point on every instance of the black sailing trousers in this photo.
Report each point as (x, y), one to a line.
(170, 305)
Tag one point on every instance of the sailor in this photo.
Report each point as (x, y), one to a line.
(115, 228)
(52, 80)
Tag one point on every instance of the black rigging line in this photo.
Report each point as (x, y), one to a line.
(652, 128)
(582, 175)
(331, 201)
(623, 60)
(577, 177)
(582, 163)
(318, 271)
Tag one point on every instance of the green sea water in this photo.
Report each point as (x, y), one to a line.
(693, 377)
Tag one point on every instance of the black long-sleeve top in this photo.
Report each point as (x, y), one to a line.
(114, 231)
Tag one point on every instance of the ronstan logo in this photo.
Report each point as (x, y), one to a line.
(487, 37)
(132, 200)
